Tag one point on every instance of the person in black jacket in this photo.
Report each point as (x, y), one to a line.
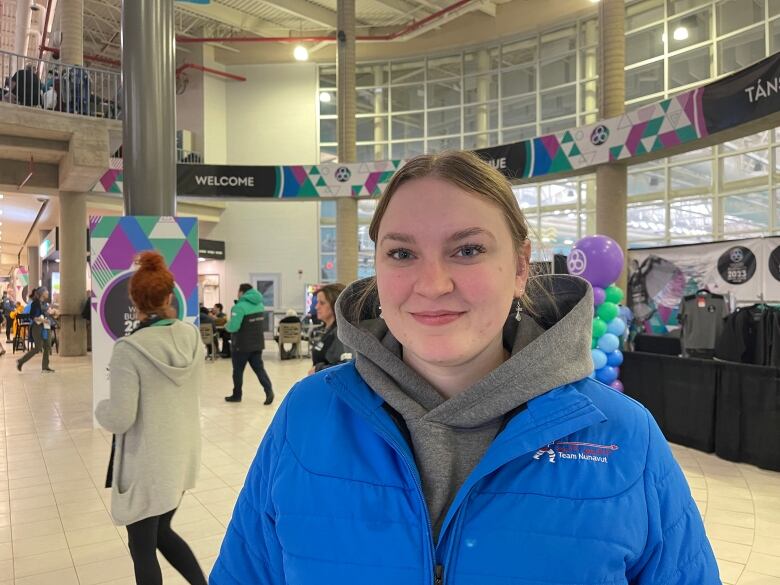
(329, 350)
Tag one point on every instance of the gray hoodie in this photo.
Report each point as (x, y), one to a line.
(154, 411)
(450, 436)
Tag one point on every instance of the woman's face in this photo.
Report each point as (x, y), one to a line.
(324, 310)
(447, 271)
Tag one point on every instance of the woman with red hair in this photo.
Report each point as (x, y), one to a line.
(154, 412)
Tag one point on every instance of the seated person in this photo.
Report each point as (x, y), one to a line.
(26, 87)
(220, 320)
(290, 317)
(329, 350)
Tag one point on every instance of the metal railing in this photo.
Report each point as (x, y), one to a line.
(49, 85)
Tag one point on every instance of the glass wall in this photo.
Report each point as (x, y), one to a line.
(546, 82)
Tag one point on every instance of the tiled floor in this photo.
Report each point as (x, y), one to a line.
(54, 523)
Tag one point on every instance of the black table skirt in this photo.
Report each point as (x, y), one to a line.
(730, 409)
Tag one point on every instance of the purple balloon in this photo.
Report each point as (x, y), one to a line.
(599, 296)
(597, 259)
(617, 385)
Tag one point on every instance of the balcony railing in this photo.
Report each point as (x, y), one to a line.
(48, 85)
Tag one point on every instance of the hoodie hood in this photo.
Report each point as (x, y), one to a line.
(174, 350)
(548, 349)
(252, 296)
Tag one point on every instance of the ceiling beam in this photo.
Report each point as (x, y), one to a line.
(402, 6)
(231, 17)
(306, 10)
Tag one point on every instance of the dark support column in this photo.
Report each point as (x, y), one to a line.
(149, 105)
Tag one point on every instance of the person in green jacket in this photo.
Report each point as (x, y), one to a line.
(246, 338)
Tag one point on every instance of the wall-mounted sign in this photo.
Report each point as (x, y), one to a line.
(211, 249)
(50, 244)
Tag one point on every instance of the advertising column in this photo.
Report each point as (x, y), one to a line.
(115, 242)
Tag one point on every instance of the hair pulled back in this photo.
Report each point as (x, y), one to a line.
(152, 283)
(469, 172)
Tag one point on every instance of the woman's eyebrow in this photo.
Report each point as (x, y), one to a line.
(399, 237)
(470, 233)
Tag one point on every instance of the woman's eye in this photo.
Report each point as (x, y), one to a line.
(400, 254)
(470, 251)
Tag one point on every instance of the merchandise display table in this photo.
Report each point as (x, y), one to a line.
(730, 409)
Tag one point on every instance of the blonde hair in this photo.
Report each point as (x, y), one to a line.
(467, 171)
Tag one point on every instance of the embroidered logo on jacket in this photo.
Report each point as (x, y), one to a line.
(563, 450)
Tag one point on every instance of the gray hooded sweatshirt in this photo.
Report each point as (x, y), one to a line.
(154, 411)
(450, 436)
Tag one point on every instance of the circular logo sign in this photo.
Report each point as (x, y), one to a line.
(774, 263)
(342, 174)
(577, 262)
(599, 135)
(117, 312)
(737, 265)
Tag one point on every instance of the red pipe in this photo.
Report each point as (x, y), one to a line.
(411, 27)
(209, 70)
(185, 40)
(99, 59)
(45, 30)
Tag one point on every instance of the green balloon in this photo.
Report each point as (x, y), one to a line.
(614, 294)
(599, 326)
(608, 311)
(594, 343)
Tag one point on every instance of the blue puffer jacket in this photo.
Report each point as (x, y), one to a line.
(579, 488)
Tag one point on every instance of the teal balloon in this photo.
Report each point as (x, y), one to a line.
(616, 327)
(599, 359)
(608, 343)
(599, 327)
(614, 294)
(608, 311)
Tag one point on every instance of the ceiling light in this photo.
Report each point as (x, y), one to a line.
(300, 53)
(680, 33)
(1, 195)
(324, 97)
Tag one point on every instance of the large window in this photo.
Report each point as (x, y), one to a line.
(541, 83)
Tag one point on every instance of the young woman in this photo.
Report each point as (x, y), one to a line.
(466, 444)
(40, 330)
(328, 350)
(154, 412)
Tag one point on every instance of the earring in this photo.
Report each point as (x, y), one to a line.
(519, 311)
(380, 311)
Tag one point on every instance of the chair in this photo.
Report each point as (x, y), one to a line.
(207, 336)
(290, 333)
(21, 338)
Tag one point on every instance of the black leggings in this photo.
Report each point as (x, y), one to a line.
(150, 534)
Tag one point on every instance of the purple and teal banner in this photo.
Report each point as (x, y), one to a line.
(745, 96)
(114, 243)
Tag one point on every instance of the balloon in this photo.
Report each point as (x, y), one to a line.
(592, 375)
(599, 358)
(614, 294)
(608, 343)
(607, 375)
(617, 385)
(599, 295)
(615, 358)
(599, 327)
(616, 327)
(626, 314)
(593, 342)
(607, 311)
(597, 259)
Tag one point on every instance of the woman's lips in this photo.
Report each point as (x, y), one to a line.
(435, 318)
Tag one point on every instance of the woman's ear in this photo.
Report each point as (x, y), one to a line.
(523, 268)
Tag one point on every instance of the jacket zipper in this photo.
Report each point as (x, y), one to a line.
(438, 570)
